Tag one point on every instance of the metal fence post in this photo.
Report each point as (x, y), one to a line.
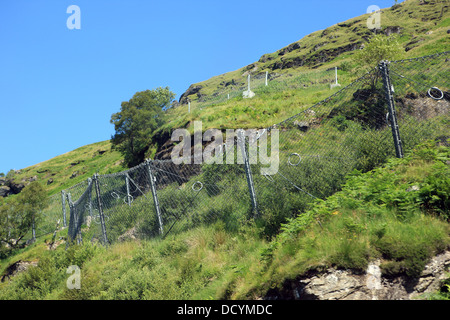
(74, 216)
(389, 90)
(248, 171)
(33, 230)
(63, 202)
(100, 208)
(127, 181)
(155, 196)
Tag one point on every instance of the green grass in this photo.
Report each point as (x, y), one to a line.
(373, 217)
(84, 161)
(376, 216)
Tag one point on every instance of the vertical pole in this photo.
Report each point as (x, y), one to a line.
(248, 171)
(74, 216)
(389, 90)
(189, 107)
(228, 96)
(127, 181)
(90, 198)
(249, 83)
(335, 69)
(155, 197)
(100, 209)
(63, 201)
(33, 230)
(267, 77)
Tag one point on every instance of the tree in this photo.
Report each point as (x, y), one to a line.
(380, 47)
(18, 216)
(137, 120)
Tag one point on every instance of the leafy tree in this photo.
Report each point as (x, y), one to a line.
(18, 215)
(137, 119)
(380, 47)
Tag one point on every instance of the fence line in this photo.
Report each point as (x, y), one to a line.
(263, 81)
(393, 107)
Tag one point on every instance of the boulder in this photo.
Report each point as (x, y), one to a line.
(334, 284)
(302, 125)
(4, 191)
(16, 188)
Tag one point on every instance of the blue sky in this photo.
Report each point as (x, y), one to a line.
(59, 87)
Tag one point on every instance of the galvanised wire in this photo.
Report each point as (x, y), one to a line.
(318, 148)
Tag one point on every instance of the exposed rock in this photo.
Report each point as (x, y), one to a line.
(4, 191)
(16, 267)
(289, 48)
(49, 181)
(391, 30)
(75, 163)
(74, 174)
(130, 234)
(319, 56)
(302, 125)
(192, 90)
(422, 108)
(16, 188)
(335, 284)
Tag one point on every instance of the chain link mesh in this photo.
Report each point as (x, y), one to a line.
(318, 148)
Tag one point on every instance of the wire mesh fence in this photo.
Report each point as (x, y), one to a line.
(383, 114)
(265, 82)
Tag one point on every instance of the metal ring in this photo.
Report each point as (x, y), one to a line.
(115, 195)
(125, 199)
(197, 190)
(435, 88)
(298, 162)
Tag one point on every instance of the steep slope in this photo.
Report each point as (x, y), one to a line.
(66, 169)
(367, 223)
(421, 25)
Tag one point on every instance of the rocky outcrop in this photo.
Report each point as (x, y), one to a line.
(193, 89)
(17, 267)
(10, 187)
(369, 285)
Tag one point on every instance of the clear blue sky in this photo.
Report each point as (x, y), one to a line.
(59, 87)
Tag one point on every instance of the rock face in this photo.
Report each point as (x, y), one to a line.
(192, 90)
(17, 267)
(9, 187)
(370, 285)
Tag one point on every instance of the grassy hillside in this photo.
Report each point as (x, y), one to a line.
(72, 167)
(397, 213)
(378, 215)
(421, 27)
